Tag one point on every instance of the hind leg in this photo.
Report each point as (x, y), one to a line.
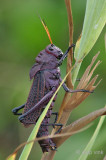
(16, 109)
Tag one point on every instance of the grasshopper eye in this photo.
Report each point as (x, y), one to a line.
(50, 48)
(52, 45)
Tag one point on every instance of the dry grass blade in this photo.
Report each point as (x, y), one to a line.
(13, 155)
(85, 76)
(69, 59)
(80, 123)
(104, 158)
(70, 22)
(70, 55)
(78, 98)
(73, 128)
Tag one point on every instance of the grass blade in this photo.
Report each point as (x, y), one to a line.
(92, 140)
(94, 21)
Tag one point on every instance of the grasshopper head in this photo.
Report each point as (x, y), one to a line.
(53, 50)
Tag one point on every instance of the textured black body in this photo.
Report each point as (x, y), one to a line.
(46, 79)
(45, 82)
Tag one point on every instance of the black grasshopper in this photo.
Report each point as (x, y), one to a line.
(46, 79)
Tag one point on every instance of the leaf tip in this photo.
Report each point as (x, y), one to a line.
(12, 156)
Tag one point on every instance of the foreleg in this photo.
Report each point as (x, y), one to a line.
(73, 91)
(65, 55)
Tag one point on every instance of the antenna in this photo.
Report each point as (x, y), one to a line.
(46, 29)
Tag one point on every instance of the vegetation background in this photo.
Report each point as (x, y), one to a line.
(22, 37)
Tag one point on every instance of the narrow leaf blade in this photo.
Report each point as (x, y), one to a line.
(92, 140)
(94, 21)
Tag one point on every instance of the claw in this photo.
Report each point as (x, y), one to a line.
(73, 45)
(54, 148)
(21, 118)
(53, 125)
(14, 111)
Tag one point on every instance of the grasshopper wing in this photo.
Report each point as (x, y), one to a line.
(37, 92)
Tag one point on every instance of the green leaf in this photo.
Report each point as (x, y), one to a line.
(12, 156)
(94, 21)
(27, 149)
(86, 151)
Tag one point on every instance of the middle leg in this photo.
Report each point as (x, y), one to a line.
(56, 114)
(53, 125)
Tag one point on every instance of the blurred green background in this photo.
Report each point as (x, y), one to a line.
(22, 37)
